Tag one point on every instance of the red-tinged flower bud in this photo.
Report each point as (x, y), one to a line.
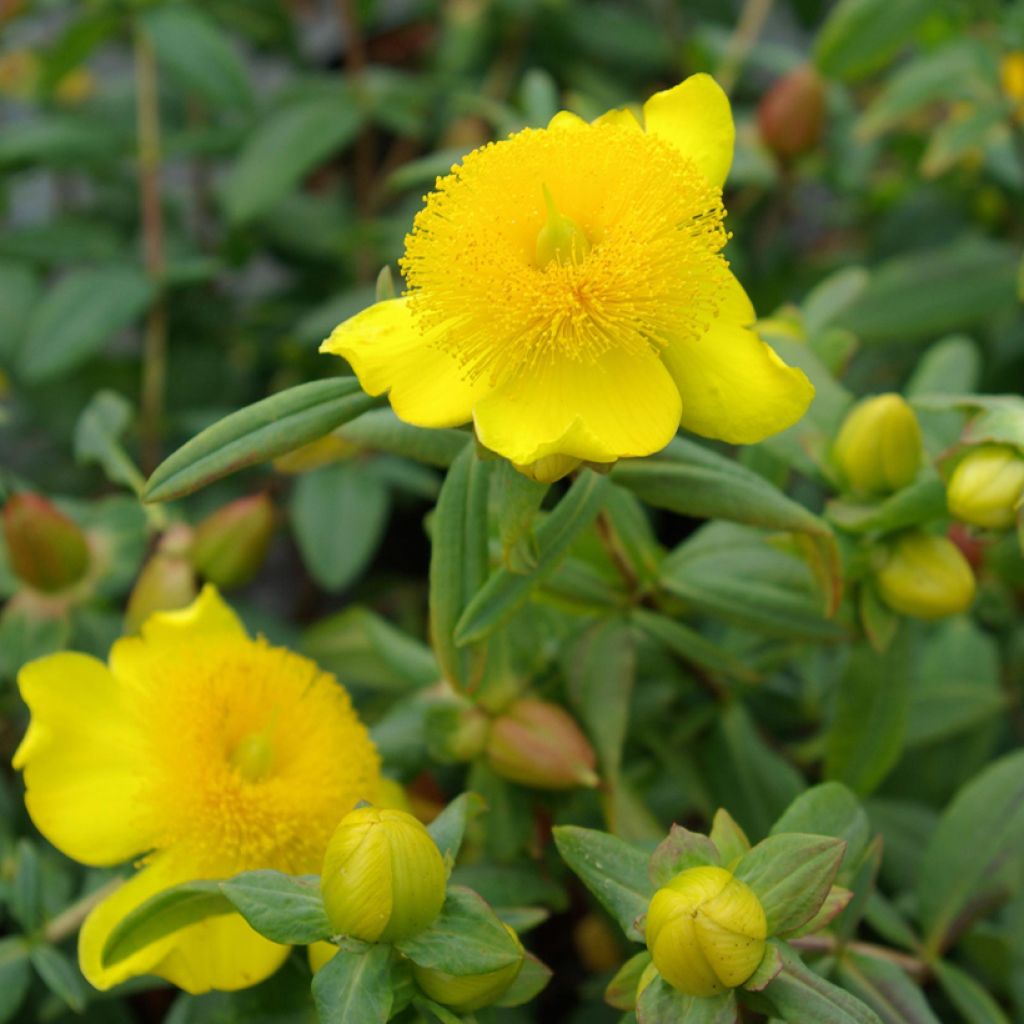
(230, 545)
(46, 549)
(167, 581)
(791, 115)
(538, 744)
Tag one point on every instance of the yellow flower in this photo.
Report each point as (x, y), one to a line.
(1011, 77)
(203, 751)
(567, 293)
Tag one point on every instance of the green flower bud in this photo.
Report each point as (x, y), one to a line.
(925, 576)
(987, 487)
(538, 744)
(231, 544)
(706, 931)
(464, 993)
(46, 549)
(878, 449)
(383, 878)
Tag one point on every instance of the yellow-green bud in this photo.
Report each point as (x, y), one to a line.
(987, 487)
(925, 576)
(383, 878)
(465, 993)
(538, 744)
(46, 549)
(231, 544)
(878, 449)
(706, 931)
(167, 581)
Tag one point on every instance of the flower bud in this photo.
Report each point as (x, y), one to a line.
(464, 993)
(383, 877)
(46, 549)
(925, 576)
(987, 487)
(791, 115)
(167, 581)
(706, 931)
(231, 544)
(878, 449)
(538, 744)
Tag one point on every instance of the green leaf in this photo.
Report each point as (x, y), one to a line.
(660, 1003)
(791, 875)
(19, 293)
(466, 938)
(862, 36)
(679, 851)
(729, 839)
(258, 432)
(60, 975)
(531, 980)
(827, 300)
(339, 514)
(364, 649)
(505, 592)
(381, 430)
(886, 988)
(921, 502)
(621, 990)
(449, 828)
(516, 500)
(97, 438)
(958, 878)
(767, 969)
(284, 909)
(933, 292)
(973, 1002)
(869, 727)
(26, 898)
(79, 316)
(195, 51)
(287, 145)
(162, 914)
(614, 871)
(691, 646)
(458, 561)
(14, 975)
(829, 809)
(799, 995)
(600, 669)
(355, 987)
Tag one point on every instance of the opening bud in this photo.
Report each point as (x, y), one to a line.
(383, 878)
(791, 115)
(878, 449)
(231, 544)
(464, 993)
(46, 549)
(987, 487)
(538, 744)
(925, 576)
(706, 931)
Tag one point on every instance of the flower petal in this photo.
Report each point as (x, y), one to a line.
(81, 759)
(621, 117)
(389, 353)
(566, 120)
(216, 953)
(696, 118)
(733, 386)
(624, 405)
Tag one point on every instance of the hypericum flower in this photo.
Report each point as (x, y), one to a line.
(205, 751)
(567, 293)
(987, 487)
(706, 931)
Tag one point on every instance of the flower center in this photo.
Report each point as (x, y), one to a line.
(254, 756)
(618, 249)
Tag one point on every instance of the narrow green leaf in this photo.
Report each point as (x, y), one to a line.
(79, 316)
(458, 561)
(791, 875)
(829, 809)
(19, 293)
(886, 988)
(862, 36)
(973, 1002)
(691, 646)
(467, 938)
(61, 975)
(798, 994)
(959, 878)
(97, 438)
(354, 987)
(921, 502)
(516, 500)
(26, 898)
(162, 914)
(381, 430)
(283, 908)
(449, 828)
(729, 839)
(621, 990)
(614, 871)
(14, 975)
(258, 432)
(505, 592)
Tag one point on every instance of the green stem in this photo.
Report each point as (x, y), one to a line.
(68, 921)
(914, 966)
